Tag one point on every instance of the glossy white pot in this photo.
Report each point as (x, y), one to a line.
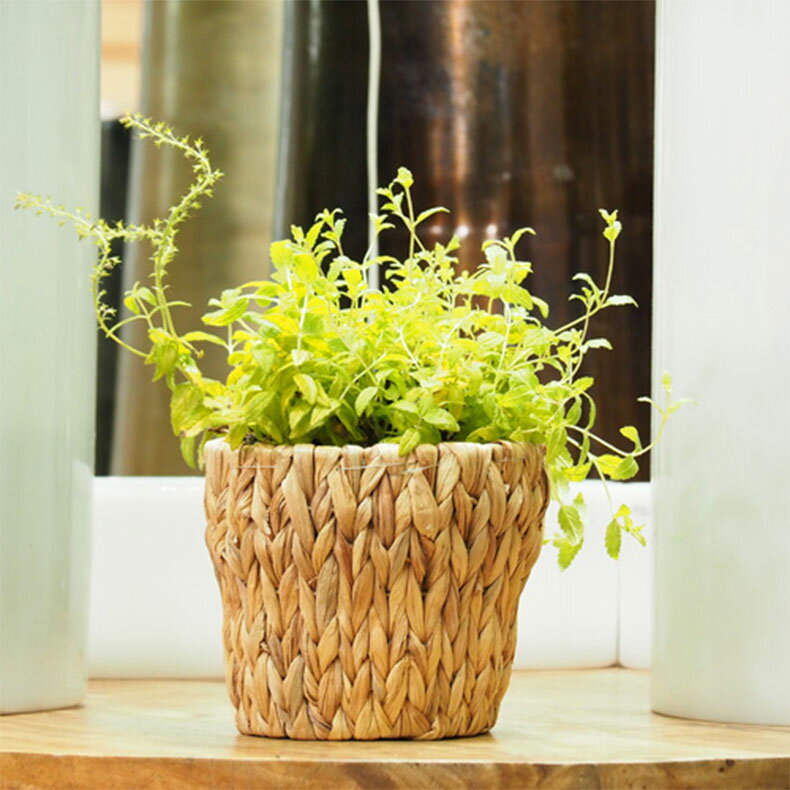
(49, 144)
(722, 502)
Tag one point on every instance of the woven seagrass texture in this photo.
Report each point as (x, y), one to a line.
(368, 595)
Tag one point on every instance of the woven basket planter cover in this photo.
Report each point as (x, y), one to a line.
(368, 595)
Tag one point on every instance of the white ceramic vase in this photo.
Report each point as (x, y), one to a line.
(49, 144)
(722, 279)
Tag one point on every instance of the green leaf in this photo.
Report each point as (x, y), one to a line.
(353, 277)
(613, 539)
(571, 522)
(131, 305)
(618, 468)
(515, 294)
(307, 387)
(407, 407)
(281, 254)
(584, 277)
(519, 233)
(203, 337)
(312, 234)
(236, 435)
(620, 299)
(300, 356)
(305, 267)
(567, 552)
(404, 177)
(187, 446)
(578, 473)
(598, 342)
(541, 305)
(186, 404)
(313, 325)
(264, 357)
(575, 412)
(423, 215)
(299, 418)
(632, 434)
(227, 316)
(441, 418)
(163, 356)
(627, 469)
(364, 398)
(409, 440)
(146, 295)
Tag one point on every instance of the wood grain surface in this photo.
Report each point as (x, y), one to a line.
(572, 729)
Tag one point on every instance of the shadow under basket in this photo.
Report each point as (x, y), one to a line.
(368, 595)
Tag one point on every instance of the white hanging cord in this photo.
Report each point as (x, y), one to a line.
(374, 77)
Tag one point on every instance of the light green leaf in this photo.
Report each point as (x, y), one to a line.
(406, 406)
(620, 299)
(281, 253)
(187, 447)
(409, 440)
(598, 342)
(305, 267)
(578, 472)
(423, 215)
(514, 239)
(299, 356)
(612, 231)
(236, 435)
(203, 337)
(567, 552)
(441, 418)
(227, 316)
(146, 295)
(541, 305)
(364, 398)
(614, 539)
(264, 356)
(575, 412)
(571, 522)
(632, 434)
(307, 386)
(618, 468)
(404, 177)
(185, 406)
(299, 418)
(131, 305)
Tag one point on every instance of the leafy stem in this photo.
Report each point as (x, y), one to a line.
(315, 355)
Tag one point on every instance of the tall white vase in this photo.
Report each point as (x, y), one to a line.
(49, 143)
(722, 284)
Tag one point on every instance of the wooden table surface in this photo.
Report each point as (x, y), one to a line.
(571, 729)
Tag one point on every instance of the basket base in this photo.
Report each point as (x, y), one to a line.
(261, 729)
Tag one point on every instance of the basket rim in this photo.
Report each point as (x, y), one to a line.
(221, 442)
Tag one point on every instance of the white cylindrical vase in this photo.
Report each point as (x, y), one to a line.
(722, 282)
(49, 144)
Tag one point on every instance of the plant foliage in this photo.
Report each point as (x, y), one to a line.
(317, 356)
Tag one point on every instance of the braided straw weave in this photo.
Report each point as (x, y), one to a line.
(368, 595)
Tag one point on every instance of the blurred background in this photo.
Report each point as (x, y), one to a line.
(508, 113)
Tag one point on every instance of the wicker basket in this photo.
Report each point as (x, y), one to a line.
(368, 595)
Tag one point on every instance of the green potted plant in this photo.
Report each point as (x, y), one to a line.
(378, 462)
